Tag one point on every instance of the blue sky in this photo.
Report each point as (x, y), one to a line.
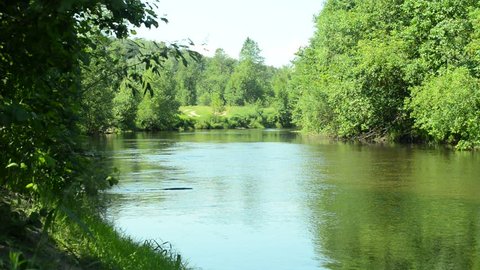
(280, 27)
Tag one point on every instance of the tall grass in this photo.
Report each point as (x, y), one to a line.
(103, 247)
(72, 236)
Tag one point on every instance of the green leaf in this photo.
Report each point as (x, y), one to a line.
(13, 164)
(31, 186)
(41, 160)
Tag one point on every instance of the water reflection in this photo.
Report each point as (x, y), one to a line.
(278, 200)
(397, 208)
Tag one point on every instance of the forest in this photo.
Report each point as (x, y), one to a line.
(115, 102)
(374, 71)
(392, 70)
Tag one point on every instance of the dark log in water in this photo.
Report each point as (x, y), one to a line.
(178, 188)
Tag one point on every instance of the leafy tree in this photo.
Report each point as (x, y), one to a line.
(282, 102)
(367, 58)
(247, 85)
(447, 107)
(218, 105)
(43, 45)
(380, 75)
(311, 109)
(97, 93)
(133, 65)
(187, 78)
(158, 111)
(96, 110)
(125, 106)
(217, 72)
(251, 52)
(243, 86)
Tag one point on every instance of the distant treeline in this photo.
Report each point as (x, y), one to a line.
(113, 98)
(403, 70)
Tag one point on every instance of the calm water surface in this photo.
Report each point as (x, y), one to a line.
(275, 199)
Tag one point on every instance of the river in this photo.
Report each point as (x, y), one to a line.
(276, 199)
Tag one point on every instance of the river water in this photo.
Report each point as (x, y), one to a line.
(276, 199)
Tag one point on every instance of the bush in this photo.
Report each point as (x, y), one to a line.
(184, 123)
(158, 111)
(447, 108)
(212, 122)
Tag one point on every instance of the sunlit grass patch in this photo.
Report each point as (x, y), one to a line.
(204, 117)
(197, 112)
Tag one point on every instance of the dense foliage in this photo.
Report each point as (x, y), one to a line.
(400, 70)
(43, 47)
(185, 80)
(54, 58)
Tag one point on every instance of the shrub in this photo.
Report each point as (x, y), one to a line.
(447, 108)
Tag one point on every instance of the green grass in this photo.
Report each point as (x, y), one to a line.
(240, 110)
(203, 117)
(103, 247)
(197, 112)
(73, 241)
(204, 112)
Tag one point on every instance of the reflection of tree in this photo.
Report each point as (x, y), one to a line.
(391, 208)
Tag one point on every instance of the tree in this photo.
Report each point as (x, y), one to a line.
(247, 84)
(125, 106)
(368, 58)
(95, 113)
(187, 78)
(158, 111)
(251, 52)
(447, 107)
(213, 82)
(128, 104)
(42, 47)
(281, 101)
(218, 105)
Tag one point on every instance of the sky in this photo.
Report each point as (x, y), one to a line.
(279, 27)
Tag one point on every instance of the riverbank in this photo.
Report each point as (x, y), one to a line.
(74, 239)
(228, 117)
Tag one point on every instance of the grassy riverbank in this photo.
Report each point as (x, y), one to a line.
(206, 117)
(100, 246)
(72, 241)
